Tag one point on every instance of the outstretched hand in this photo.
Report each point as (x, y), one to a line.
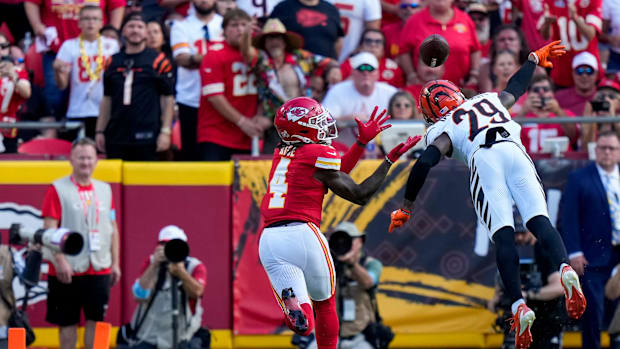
(375, 125)
(551, 50)
(399, 217)
(402, 148)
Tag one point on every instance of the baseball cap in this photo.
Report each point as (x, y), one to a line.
(477, 7)
(364, 58)
(585, 58)
(609, 83)
(350, 229)
(171, 232)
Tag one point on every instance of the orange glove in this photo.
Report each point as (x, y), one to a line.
(399, 217)
(551, 50)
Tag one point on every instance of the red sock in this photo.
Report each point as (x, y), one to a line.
(307, 309)
(326, 324)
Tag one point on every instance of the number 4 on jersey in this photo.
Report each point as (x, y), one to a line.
(278, 186)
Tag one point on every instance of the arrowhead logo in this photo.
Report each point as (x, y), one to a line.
(296, 113)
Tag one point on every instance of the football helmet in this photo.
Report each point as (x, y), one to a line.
(437, 98)
(304, 120)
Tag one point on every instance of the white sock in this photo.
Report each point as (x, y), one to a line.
(562, 267)
(516, 305)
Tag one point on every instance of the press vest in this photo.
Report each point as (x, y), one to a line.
(74, 218)
(157, 326)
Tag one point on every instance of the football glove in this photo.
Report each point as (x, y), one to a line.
(401, 149)
(399, 217)
(551, 50)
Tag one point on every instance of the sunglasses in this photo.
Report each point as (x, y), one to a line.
(365, 67)
(412, 6)
(584, 70)
(4, 45)
(372, 41)
(541, 89)
(403, 105)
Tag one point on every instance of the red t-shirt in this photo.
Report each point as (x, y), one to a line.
(460, 33)
(64, 14)
(224, 72)
(533, 135)
(389, 18)
(569, 99)
(53, 209)
(199, 274)
(391, 32)
(389, 72)
(566, 30)
(293, 193)
(10, 103)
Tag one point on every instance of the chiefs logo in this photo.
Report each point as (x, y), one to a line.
(296, 113)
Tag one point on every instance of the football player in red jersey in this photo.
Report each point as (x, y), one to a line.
(293, 251)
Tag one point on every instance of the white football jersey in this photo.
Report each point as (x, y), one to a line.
(85, 95)
(188, 36)
(467, 125)
(353, 16)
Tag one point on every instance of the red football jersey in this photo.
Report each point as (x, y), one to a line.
(566, 30)
(293, 193)
(224, 72)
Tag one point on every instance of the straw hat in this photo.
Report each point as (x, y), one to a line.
(275, 26)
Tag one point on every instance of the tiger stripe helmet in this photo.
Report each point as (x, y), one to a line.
(438, 98)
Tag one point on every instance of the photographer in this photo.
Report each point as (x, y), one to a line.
(605, 103)
(542, 291)
(152, 324)
(355, 293)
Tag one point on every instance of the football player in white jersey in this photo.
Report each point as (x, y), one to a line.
(480, 132)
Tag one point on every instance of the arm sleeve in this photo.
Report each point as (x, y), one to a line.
(594, 15)
(163, 70)
(350, 159)
(327, 158)
(518, 83)
(107, 81)
(178, 40)
(372, 10)
(570, 214)
(51, 204)
(200, 274)
(374, 268)
(212, 75)
(430, 157)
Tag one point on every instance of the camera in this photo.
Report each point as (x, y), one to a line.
(600, 105)
(340, 242)
(176, 250)
(58, 240)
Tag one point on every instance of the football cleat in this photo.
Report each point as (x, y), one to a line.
(575, 300)
(294, 313)
(521, 323)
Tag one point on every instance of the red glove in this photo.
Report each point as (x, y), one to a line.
(551, 50)
(402, 148)
(373, 127)
(399, 217)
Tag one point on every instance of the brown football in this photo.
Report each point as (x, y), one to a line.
(434, 50)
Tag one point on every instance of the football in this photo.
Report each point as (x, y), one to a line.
(434, 50)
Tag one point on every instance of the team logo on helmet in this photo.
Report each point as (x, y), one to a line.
(296, 113)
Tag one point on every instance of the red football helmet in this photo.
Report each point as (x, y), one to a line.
(437, 98)
(305, 120)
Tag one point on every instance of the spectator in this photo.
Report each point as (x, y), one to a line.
(591, 231)
(56, 21)
(154, 286)
(227, 116)
(605, 103)
(356, 16)
(480, 16)
(15, 90)
(508, 37)
(505, 64)
(612, 292)
(110, 32)
(611, 33)
(157, 38)
(362, 93)
(316, 19)
(137, 105)
(85, 205)
(531, 11)
(281, 68)
(402, 106)
(585, 73)
(442, 17)
(190, 39)
(577, 25)
(373, 41)
(79, 65)
(320, 80)
(260, 9)
(541, 103)
(391, 32)
(223, 6)
(424, 74)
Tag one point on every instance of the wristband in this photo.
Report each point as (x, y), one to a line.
(139, 292)
(165, 130)
(360, 143)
